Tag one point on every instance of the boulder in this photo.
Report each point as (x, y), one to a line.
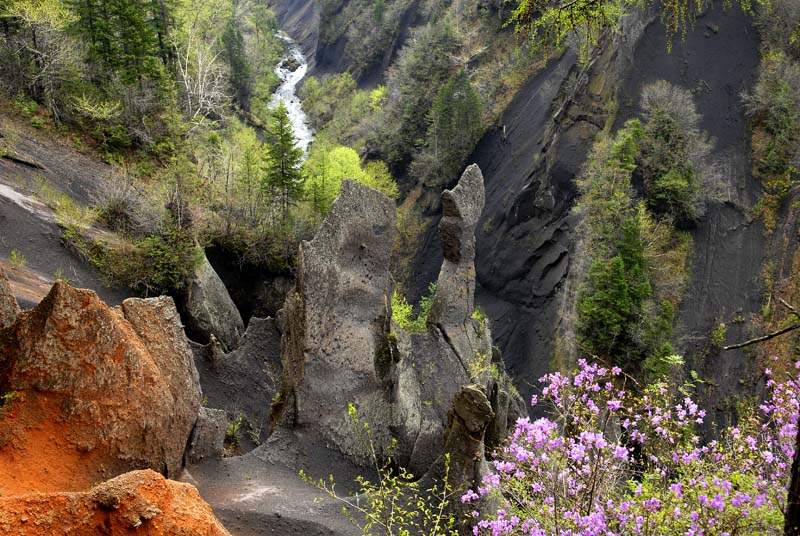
(91, 392)
(210, 310)
(140, 502)
(244, 382)
(9, 309)
(208, 436)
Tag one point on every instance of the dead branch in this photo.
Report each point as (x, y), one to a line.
(762, 338)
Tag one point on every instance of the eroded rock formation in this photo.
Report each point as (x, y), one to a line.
(335, 331)
(9, 309)
(139, 502)
(91, 392)
(243, 382)
(341, 346)
(463, 462)
(461, 208)
(210, 309)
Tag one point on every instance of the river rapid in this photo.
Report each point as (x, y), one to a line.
(287, 92)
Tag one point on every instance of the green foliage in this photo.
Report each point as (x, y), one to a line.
(154, 265)
(455, 126)
(637, 260)
(605, 187)
(18, 259)
(606, 309)
(327, 167)
(479, 365)
(395, 504)
(283, 178)
(479, 316)
(124, 36)
(7, 398)
(322, 98)
(717, 336)
(423, 65)
(232, 432)
(774, 106)
(241, 72)
(402, 311)
(548, 23)
(377, 98)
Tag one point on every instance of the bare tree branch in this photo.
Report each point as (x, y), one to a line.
(763, 337)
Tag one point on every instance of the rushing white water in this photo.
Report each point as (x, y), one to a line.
(286, 93)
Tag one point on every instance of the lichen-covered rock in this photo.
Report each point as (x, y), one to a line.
(93, 392)
(9, 309)
(208, 436)
(210, 309)
(244, 382)
(139, 502)
(453, 303)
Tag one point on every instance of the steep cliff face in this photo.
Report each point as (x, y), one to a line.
(718, 62)
(300, 20)
(525, 232)
(526, 239)
(338, 36)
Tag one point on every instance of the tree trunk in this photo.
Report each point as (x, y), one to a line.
(791, 525)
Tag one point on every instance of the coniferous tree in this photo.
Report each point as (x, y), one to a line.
(125, 36)
(241, 72)
(455, 119)
(455, 126)
(283, 178)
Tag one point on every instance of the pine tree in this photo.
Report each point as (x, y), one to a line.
(283, 178)
(455, 126)
(241, 72)
(125, 36)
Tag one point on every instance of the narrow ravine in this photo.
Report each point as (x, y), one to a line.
(287, 91)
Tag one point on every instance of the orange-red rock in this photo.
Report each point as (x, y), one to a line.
(94, 392)
(139, 502)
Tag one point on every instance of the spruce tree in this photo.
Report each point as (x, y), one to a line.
(241, 72)
(455, 126)
(283, 178)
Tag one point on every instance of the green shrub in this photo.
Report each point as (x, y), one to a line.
(154, 265)
(403, 312)
(18, 259)
(395, 504)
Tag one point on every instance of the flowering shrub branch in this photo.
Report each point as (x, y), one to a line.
(613, 462)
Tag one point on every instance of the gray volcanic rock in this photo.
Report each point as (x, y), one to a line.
(455, 290)
(335, 323)
(208, 436)
(244, 382)
(468, 421)
(341, 346)
(210, 309)
(9, 309)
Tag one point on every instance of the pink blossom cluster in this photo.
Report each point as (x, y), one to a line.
(614, 460)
